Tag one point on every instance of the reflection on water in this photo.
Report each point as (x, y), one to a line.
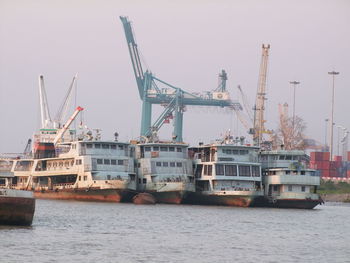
(67, 231)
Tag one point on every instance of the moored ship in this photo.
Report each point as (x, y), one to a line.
(227, 173)
(80, 170)
(164, 170)
(287, 181)
(16, 206)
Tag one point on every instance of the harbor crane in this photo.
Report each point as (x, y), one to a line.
(174, 99)
(259, 108)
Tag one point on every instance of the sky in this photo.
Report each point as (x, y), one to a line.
(185, 43)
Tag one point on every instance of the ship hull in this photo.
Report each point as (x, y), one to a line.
(16, 210)
(294, 203)
(87, 194)
(170, 197)
(224, 200)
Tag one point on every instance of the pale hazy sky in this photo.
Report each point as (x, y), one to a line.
(185, 43)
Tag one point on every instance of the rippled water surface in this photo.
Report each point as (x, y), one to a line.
(66, 231)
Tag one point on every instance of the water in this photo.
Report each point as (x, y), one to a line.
(68, 231)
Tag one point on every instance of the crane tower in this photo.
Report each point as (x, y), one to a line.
(172, 98)
(259, 109)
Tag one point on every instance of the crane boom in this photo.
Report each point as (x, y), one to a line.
(259, 121)
(67, 124)
(44, 106)
(134, 54)
(62, 112)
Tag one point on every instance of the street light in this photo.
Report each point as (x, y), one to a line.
(294, 83)
(333, 73)
(338, 137)
(325, 136)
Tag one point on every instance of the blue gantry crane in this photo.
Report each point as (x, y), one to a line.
(172, 98)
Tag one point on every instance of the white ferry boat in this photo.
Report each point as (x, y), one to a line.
(164, 170)
(227, 173)
(80, 170)
(287, 181)
(16, 206)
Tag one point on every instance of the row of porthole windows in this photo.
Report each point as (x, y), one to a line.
(163, 149)
(104, 146)
(235, 152)
(168, 164)
(111, 161)
(290, 188)
(65, 163)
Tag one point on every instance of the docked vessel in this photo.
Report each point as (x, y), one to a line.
(16, 206)
(81, 170)
(164, 170)
(227, 173)
(288, 183)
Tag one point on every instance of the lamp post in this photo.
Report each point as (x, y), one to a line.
(325, 136)
(294, 83)
(333, 73)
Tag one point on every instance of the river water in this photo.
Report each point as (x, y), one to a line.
(69, 231)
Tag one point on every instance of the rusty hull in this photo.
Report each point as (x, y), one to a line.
(87, 194)
(16, 210)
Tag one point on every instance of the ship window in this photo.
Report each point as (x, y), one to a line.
(113, 146)
(85, 178)
(79, 178)
(158, 164)
(282, 157)
(219, 169)
(89, 145)
(302, 172)
(147, 149)
(138, 165)
(227, 151)
(236, 152)
(244, 170)
(99, 161)
(210, 169)
(155, 148)
(199, 156)
(108, 177)
(113, 162)
(172, 164)
(165, 164)
(255, 171)
(290, 188)
(295, 157)
(120, 162)
(288, 157)
(106, 161)
(178, 164)
(231, 170)
(105, 146)
(171, 149)
(163, 149)
(178, 149)
(120, 147)
(288, 172)
(97, 146)
(144, 180)
(243, 152)
(303, 188)
(139, 180)
(275, 188)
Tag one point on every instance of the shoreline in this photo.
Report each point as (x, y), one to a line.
(336, 197)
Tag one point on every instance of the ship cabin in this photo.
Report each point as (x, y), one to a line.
(6, 174)
(226, 167)
(286, 175)
(163, 162)
(85, 164)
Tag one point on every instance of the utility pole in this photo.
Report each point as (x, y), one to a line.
(333, 73)
(294, 83)
(325, 136)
